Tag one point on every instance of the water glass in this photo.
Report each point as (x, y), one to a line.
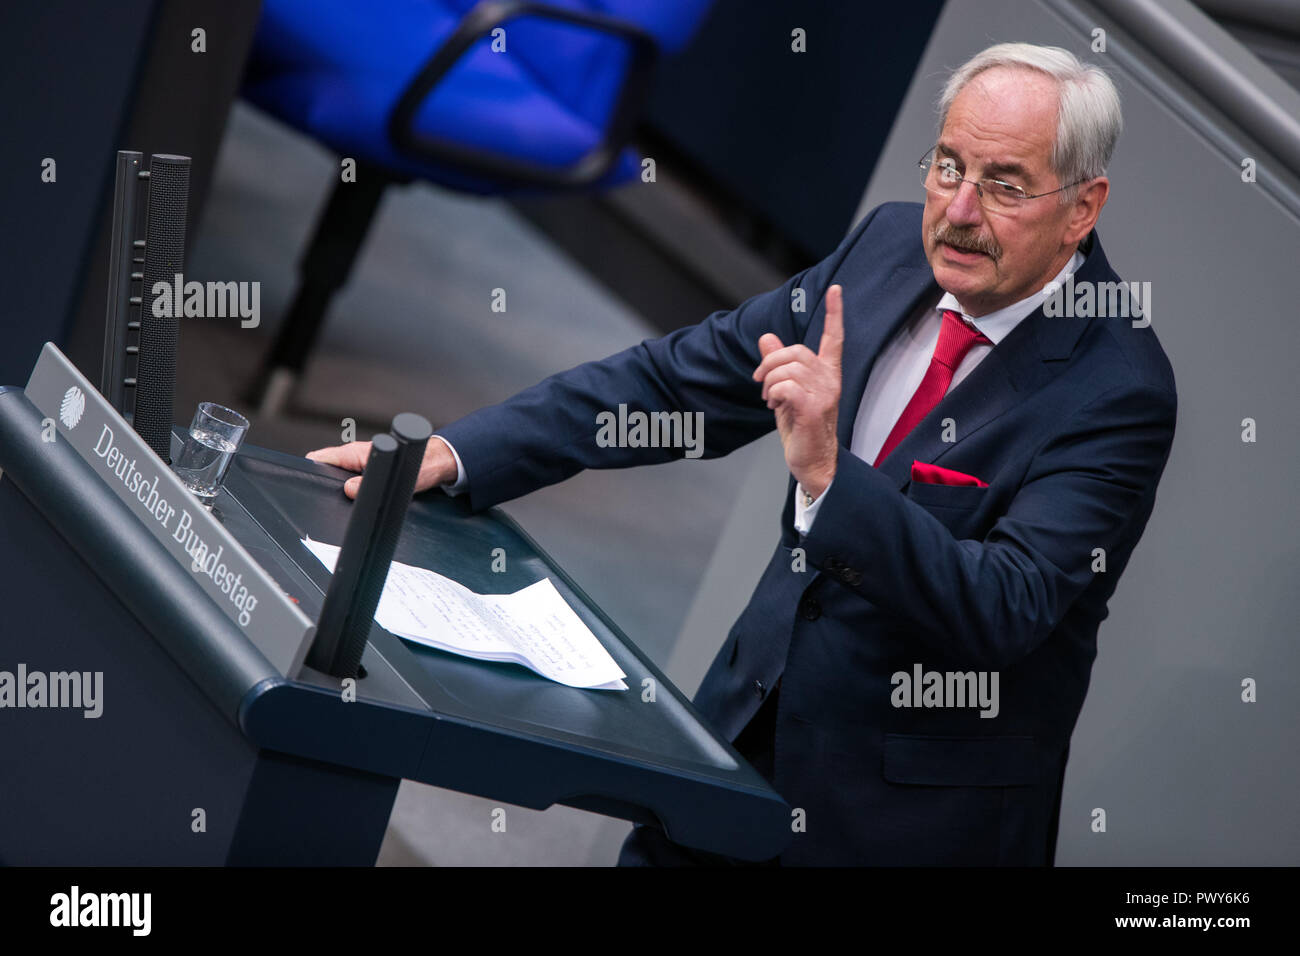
(214, 437)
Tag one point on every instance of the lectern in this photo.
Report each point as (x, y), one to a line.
(215, 741)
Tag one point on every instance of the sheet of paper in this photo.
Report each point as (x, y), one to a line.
(534, 626)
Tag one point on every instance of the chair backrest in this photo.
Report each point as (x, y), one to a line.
(671, 22)
(583, 67)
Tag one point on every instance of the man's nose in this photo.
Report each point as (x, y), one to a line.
(964, 208)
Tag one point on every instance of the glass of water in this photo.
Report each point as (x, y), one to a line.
(215, 436)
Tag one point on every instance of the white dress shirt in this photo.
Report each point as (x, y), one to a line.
(903, 362)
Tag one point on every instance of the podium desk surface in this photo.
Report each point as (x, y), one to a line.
(492, 729)
(495, 729)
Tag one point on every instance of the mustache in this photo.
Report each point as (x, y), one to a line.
(968, 239)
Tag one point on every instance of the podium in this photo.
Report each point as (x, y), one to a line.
(215, 744)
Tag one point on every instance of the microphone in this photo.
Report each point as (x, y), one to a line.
(368, 546)
(164, 258)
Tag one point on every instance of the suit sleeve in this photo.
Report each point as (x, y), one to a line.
(994, 601)
(548, 432)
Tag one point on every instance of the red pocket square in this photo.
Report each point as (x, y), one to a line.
(934, 475)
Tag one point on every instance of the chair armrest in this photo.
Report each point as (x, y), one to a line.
(478, 23)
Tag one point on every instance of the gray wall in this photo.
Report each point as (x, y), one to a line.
(1186, 772)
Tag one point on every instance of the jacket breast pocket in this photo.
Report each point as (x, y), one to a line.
(956, 506)
(944, 761)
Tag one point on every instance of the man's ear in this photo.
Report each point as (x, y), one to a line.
(1085, 210)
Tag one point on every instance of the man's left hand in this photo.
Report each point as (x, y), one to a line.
(803, 388)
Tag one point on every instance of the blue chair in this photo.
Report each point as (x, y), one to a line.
(499, 97)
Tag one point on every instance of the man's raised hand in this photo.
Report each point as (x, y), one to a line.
(803, 388)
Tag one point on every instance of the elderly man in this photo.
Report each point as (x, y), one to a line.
(969, 475)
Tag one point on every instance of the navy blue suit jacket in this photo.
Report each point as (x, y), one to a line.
(1069, 420)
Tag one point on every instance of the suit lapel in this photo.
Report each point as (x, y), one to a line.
(1011, 370)
(894, 300)
(1032, 354)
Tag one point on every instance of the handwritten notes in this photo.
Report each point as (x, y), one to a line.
(534, 626)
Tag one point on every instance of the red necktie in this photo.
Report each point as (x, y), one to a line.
(955, 339)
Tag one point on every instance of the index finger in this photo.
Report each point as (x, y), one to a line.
(352, 456)
(831, 347)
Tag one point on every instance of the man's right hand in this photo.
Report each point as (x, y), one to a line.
(438, 467)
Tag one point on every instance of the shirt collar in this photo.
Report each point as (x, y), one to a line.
(996, 325)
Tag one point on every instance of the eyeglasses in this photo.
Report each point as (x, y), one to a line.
(944, 179)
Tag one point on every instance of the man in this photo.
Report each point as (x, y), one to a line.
(969, 475)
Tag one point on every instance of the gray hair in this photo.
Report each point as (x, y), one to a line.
(1088, 122)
